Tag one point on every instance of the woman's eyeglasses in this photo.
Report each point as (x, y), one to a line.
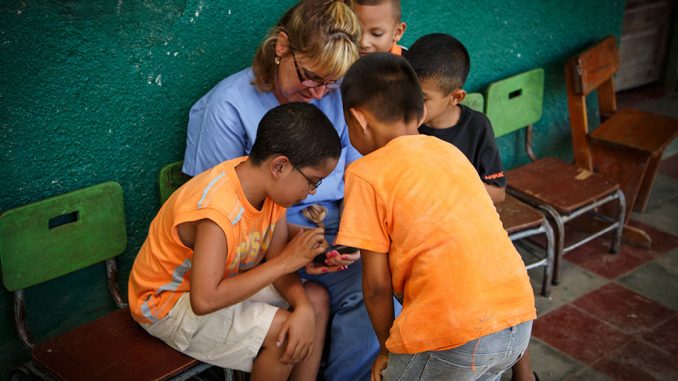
(312, 184)
(311, 83)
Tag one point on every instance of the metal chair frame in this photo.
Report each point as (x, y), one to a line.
(547, 260)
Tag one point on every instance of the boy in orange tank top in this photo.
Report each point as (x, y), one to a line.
(429, 233)
(200, 282)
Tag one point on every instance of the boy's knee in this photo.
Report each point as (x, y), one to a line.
(319, 298)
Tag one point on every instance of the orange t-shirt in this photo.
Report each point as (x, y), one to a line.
(420, 200)
(396, 49)
(161, 270)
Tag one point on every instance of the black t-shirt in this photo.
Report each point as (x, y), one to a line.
(473, 136)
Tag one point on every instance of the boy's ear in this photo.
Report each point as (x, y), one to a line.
(281, 44)
(457, 96)
(423, 116)
(278, 165)
(359, 117)
(399, 31)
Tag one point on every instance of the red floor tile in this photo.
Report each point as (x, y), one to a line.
(624, 309)
(639, 361)
(578, 334)
(669, 166)
(665, 336)
(595, 256)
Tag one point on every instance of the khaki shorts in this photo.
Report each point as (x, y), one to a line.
(228, 338)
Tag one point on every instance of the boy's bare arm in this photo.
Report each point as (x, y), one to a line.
(289, 285)
(210, 291)
(292, 230)
(497, 194)
(378, 294)
(298, 329)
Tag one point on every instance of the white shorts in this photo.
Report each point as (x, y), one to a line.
(228, 338)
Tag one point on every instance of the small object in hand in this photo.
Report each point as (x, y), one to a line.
(341, 249)
(315, 213)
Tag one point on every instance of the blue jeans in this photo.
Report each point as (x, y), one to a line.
(484, 359)
(353, 345)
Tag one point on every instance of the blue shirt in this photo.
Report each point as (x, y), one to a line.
(223, 124)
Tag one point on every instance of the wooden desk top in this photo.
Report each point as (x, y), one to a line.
(637, 129)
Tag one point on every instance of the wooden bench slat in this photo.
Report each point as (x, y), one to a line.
(113, 347)
(563, 186)
(517, 216)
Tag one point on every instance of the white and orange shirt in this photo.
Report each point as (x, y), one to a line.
(161, 271)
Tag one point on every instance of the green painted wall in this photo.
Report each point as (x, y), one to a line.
(92, 91)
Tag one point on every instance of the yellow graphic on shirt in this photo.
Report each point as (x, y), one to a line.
(251, 251)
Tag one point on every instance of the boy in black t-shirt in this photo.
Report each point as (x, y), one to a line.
(442, 65)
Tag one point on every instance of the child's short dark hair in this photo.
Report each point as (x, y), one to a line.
(299, 131)
(395, 4)
(386, 86)
(442, 58)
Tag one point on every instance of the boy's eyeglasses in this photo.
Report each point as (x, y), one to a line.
(310, 83)
(313, 185)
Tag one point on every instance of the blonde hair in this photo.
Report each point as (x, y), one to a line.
(325, 32)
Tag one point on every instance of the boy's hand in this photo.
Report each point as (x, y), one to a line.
(299, 329)
(380, 363)
(304, 247)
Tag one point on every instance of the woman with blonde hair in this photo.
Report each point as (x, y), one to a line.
(301, 59)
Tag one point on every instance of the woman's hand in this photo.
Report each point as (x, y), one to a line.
(317, 269)
(299, 329)
(335, 262)
(335, 258)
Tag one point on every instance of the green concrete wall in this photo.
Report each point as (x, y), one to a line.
(92, 91)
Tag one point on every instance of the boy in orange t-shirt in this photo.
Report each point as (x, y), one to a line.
(381, 26)
(428, 233)
(199, 282)
(442, 64)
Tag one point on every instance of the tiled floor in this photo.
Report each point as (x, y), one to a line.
(615, 317)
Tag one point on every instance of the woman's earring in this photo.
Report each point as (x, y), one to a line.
(277, 60)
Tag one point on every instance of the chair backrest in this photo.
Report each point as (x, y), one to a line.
(588, 71)
(515, 102)
(62, 234)
(474, 101)
(170, 179)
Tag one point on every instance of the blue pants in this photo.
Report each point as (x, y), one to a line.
(353, 344)
(483, 359)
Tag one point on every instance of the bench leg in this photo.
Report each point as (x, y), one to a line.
(618, 232)
(548, 269)
(558, 241)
